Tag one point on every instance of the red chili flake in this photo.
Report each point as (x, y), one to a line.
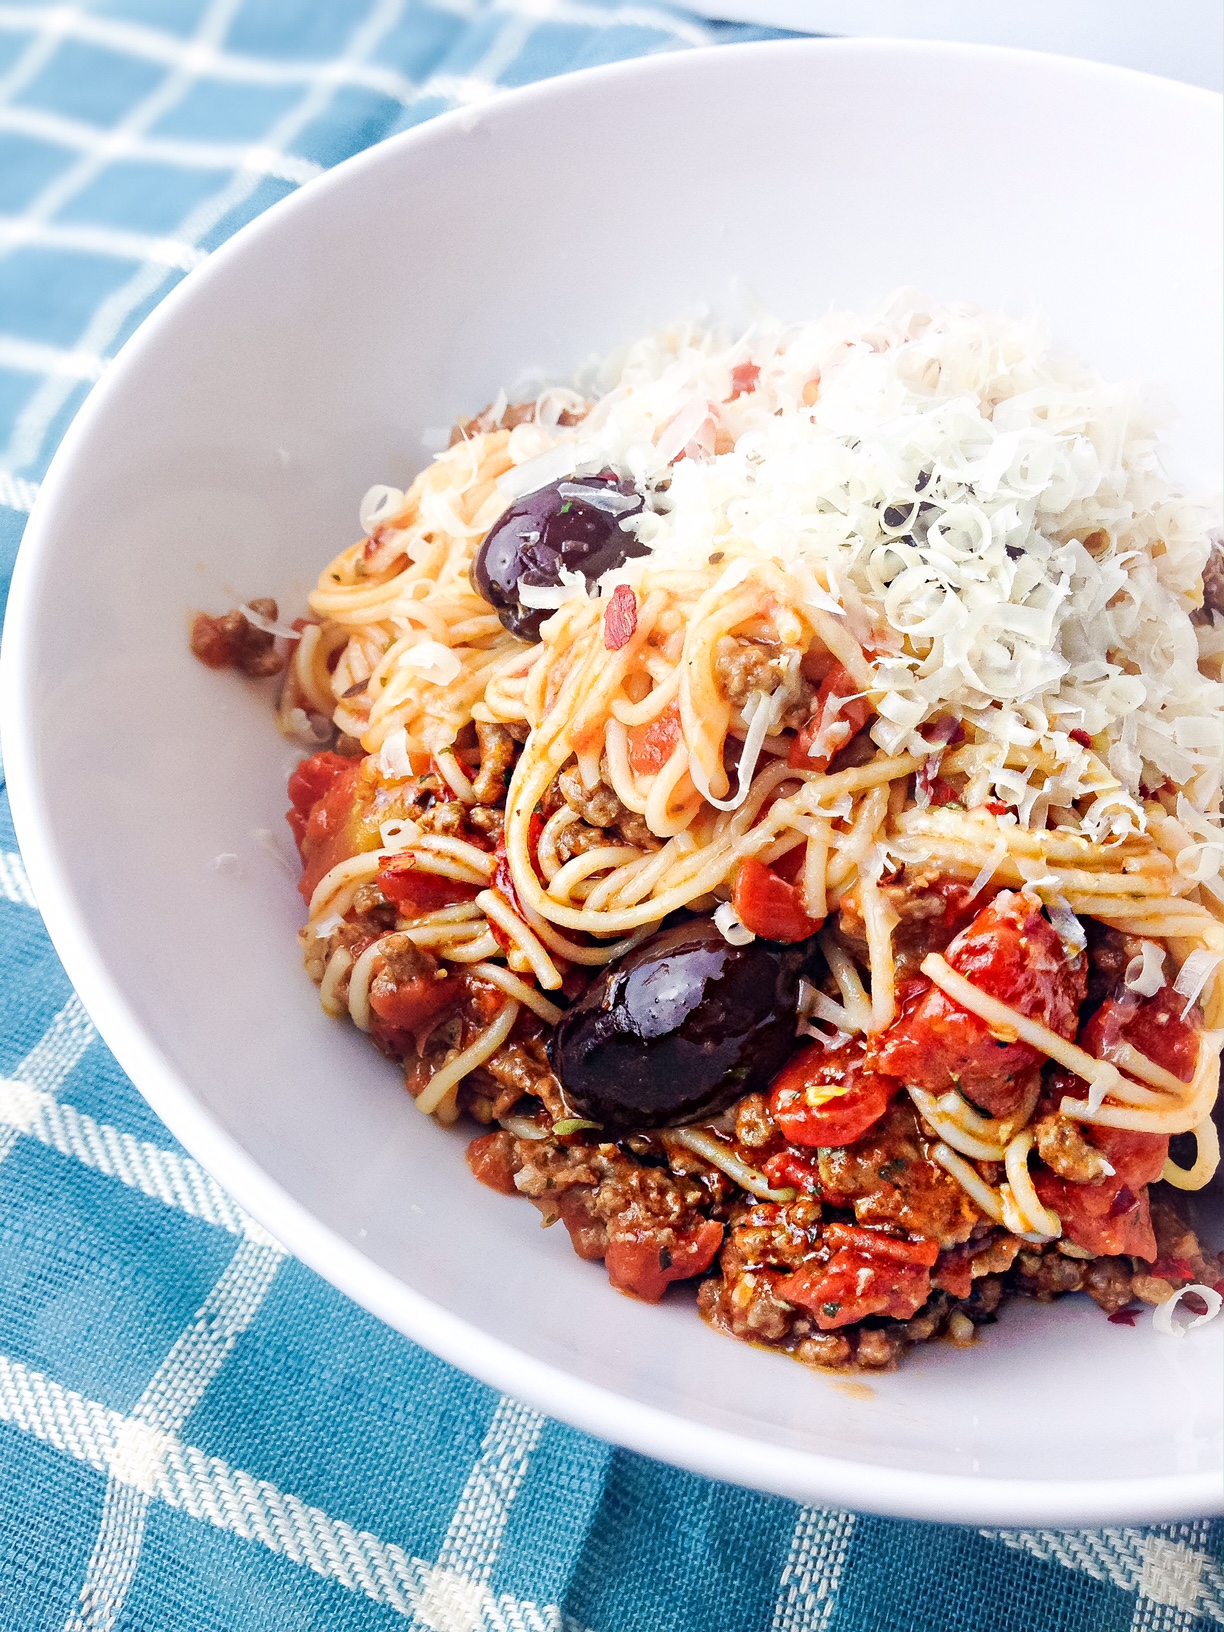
(620, 618)
(947, 728)
(1124, 1202)
(1081, 736)
(744, 377)
(996, 807)
(1195, 1304)
(1126, 1317)
(943, 793)
(1173, 1269)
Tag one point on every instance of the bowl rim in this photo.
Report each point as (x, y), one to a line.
(717, 1453)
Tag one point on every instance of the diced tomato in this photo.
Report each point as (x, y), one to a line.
(1010, 952)
(854, 1284)
(1154, 1026)
(768, 905)
(895, 1249)
(788, 1170)
(1174, 1269)
(838, 714)
(824, 1097)
(411, 1005)
(314, 777)
(1137, 1158)
(620, 618)
(491, 1159)
(1113, 1215)
(414, 891)
(1108, 1217)
(330, 835)
(638, 1265)
(651, 745)
(954, 1271)
(744, 377)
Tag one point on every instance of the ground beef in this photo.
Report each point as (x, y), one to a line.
(744, 666)
(650, 1226)
(1107, 1281)
(1213, 578)
(487, 821)
(1062, 1146)
(754, 1124)
(889, 1178)
(230, 642)
(498, 751)
(521, 1067)
(512, 414)
(578, 838)
(930, 909)
(1109, 953)
(600, 808)
(767, 1241)
(447, 818)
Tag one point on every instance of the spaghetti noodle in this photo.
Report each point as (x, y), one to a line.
(880, 639)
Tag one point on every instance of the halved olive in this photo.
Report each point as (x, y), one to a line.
(678, 1029)
(574, 523)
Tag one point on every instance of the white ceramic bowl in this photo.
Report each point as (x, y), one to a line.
(223, 455)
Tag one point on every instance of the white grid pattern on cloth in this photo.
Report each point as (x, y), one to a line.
(14, 885)
(114, 142)
(455, 1588)
(1169, 1567)
(113, 313)
(159, 1464)
(450, 1595)
(173, 1392)
(807, 1590)
(163, 1175)
(189, 60)
(48, 1064)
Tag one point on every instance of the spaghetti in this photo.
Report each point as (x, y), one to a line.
(880, 639)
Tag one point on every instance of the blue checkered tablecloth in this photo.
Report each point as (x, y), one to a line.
(195, 1431)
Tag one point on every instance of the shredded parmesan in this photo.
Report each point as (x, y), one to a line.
(1145, 973)
(1194, 975)
(990, 516)
(378, 506)
(727, 922)
(1163, 1314)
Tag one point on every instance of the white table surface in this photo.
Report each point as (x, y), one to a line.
(1180, 39)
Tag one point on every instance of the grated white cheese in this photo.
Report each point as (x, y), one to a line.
(1164, 1313)
(437, 663)
(379, 504)
(393, 761)
(727, 922)
(1145, 973)
(1194, 975)
(992, 519)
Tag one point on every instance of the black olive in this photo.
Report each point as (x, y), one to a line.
(678, 1029)
(550, 529)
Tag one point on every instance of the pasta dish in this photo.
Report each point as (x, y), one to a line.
(773, 789)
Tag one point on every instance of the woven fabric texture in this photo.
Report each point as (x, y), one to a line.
(195, 1431)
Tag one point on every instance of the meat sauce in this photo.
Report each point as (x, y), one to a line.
(877, 1246)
